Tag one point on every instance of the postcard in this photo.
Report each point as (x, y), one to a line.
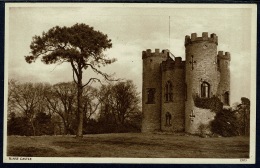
(130, 83)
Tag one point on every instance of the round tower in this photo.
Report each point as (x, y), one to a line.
(151, 91)
(223, 63)
(201, 77)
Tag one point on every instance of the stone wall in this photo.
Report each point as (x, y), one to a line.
(176, 75)
(202, 64)
(204, 52)
(152, 79)
(202, 117)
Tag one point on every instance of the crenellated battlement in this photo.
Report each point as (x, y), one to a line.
(170, 83)
(170, 64)
(213, 38)
(157, 53)
(225, 56)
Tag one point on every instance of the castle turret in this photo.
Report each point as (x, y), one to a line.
(151, 92)
(202, 77)
(223, 62)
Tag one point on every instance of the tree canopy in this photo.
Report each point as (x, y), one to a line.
(79, 45)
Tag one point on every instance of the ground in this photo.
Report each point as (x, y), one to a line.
(157, 145)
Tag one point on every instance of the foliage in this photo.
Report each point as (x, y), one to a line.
(243, 116)
(56, 108)
(204, 129)
(17, 125)
(44, 124)
(61, 99)
(213, 103)
(81, 46)
(26, 99)
(245, 101)
(225, 123)
(230, 122)
(120, 107)
(91, 104)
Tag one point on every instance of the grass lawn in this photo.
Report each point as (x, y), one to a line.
(129, 145)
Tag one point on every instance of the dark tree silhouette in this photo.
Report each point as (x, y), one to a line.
(61, 100)
(26, 99)
(80, 46)
(90, 102)
(244, 109)
(126, 101)
(120, 104)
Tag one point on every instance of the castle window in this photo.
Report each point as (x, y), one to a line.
(150, 96)
(218, 64)
(168, 118)
(168, 91)
(226, 98)
(205, 90)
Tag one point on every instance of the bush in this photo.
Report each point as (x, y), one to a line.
(43, 124)
(204, 130)
(19, 126)
(225, 124)
(213, 103)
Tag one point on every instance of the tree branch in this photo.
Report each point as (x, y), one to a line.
(106, 76)
(74, 76)
(92, 79)
(74, 68)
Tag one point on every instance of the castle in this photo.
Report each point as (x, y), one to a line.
(169, 85)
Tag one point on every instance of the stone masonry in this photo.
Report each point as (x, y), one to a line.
(170, 84)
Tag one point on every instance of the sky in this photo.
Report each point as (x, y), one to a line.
(132, 29)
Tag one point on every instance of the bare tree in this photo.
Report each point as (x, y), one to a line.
(61, 100)
(126, 101)
(90, 102)
(27, 99)
(120, 101)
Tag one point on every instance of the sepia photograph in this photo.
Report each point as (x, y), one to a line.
(130, 83)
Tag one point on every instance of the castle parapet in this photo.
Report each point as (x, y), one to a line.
(170, 64)
(194, 39)
(157, 53)
(225, 56)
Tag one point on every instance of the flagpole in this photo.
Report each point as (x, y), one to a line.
(169, 32)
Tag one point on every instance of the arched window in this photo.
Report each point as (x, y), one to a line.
(168, 91)
(150, 96)
(226, 98)
(205, 90)
(218, 64)
(168, 118)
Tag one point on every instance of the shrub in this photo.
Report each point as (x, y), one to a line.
(204, 130)
(213, 103)
(225, 124)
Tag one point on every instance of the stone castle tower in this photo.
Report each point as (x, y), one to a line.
(169, 85)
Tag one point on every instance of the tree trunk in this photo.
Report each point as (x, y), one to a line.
(80, 110)
(33, 127)
(65, 128)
